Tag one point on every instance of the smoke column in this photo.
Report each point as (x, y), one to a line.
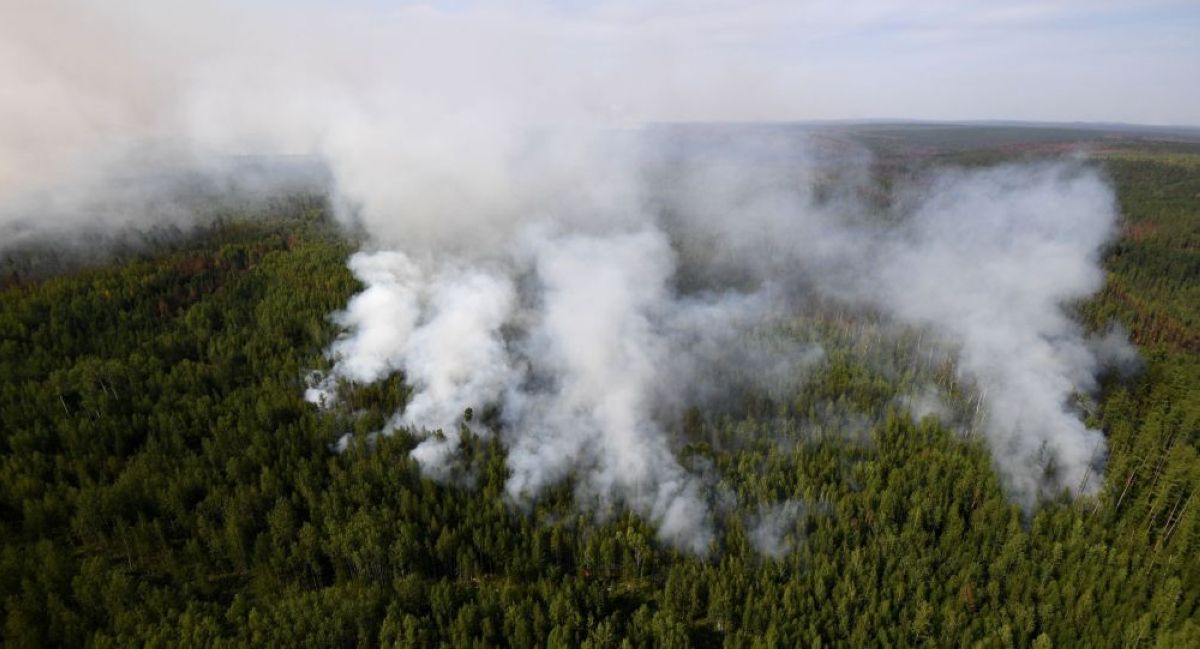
(988, 262)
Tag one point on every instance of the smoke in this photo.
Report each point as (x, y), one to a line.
(1113, 352)
(773, 529)
(585, 345)
(592, 337)
(532, 250)
(600, 350)
(926, 402)
(986, 260)
(989, 260)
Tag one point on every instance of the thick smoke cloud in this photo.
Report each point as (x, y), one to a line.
(617, 330)
(530, 250)
(590, 360)
(987, 261)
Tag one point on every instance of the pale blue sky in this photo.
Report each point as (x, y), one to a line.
(79, 77)
(1102, 60)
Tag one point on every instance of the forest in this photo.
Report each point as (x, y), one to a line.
(163, 482)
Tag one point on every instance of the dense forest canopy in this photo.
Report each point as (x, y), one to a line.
(165, 483)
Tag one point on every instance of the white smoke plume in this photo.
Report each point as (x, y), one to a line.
(989, 260)
(600, 355)
(530, 249)
(600, 349)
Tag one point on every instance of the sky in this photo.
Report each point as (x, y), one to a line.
(1053, 60)
(1056, 60)
(84, 83)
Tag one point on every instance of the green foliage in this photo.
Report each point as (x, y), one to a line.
(162, 483)
(1155, 267)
